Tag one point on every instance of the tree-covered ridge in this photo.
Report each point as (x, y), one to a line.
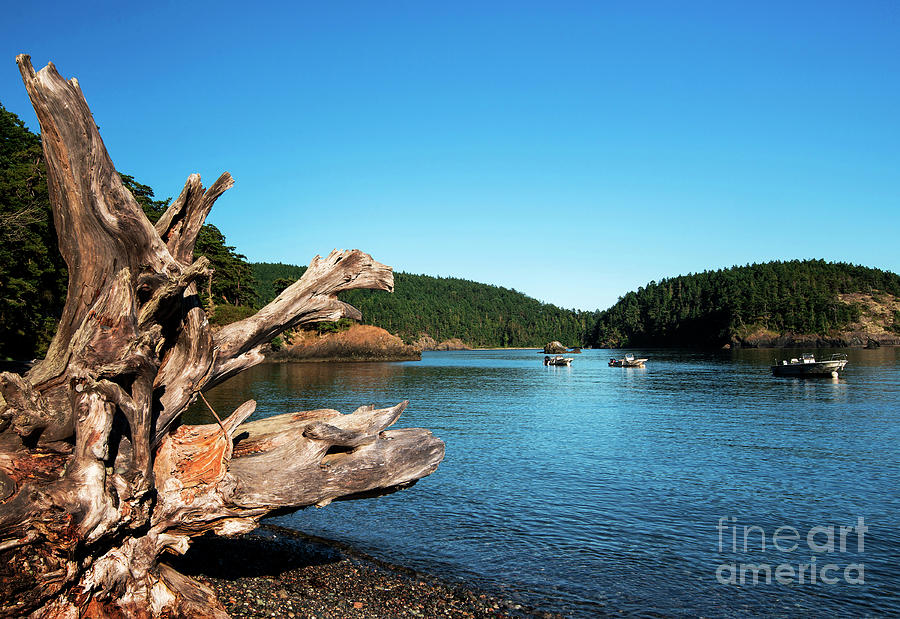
(478, 314)
(446, 307)
(273, 277)
(33, 276)
(714, 307)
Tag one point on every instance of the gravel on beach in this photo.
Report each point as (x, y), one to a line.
(276, 572)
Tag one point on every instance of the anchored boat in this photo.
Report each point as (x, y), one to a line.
(628, 362)
(807, 365)
(558, 360)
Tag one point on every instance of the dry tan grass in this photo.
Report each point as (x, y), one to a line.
(358, 343)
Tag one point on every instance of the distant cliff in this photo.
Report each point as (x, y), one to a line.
(809, 303)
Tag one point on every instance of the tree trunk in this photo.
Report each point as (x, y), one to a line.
(98, 477)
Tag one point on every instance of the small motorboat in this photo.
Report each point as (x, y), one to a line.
(807, 365)
(557, 360)
(627, 362)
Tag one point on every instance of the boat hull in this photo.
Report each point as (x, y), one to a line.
(819, 368)
(621, 363)
(558, 360)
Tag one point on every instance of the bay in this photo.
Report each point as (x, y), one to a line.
(591, 490)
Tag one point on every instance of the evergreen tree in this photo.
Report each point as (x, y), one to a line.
(32, 273)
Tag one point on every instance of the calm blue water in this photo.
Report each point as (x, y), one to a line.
(590, 490)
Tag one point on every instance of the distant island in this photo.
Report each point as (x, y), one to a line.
(799, 303)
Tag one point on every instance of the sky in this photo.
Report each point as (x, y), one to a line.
(572, 151)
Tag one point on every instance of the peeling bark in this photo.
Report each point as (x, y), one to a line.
(98, 476)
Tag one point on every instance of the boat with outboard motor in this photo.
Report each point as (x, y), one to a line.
(558, 360)
(807, 365)
(627, 362)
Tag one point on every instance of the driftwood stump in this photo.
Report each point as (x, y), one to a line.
(98, 477)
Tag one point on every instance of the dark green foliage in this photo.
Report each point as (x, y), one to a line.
(226, 314)
(710, 308)
(895, 326)
(232, 282)
(334, 327)
(33, 275)
(281, 283)
(273, 277)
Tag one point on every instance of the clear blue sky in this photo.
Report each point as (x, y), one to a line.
(572, 151)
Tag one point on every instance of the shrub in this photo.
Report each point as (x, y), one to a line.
(334, 327)
(226, 314)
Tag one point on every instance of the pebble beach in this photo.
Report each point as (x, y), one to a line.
(276, 572)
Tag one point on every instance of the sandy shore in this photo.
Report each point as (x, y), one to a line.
(276, 572)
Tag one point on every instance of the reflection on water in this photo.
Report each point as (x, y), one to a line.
(589, 489)
(290, 387)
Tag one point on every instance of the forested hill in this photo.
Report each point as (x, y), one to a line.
(273, 277)
(446, 307)
(714, 308)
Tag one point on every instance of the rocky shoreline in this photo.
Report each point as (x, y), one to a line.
(278, 572)
(849, 339)
(426, 342)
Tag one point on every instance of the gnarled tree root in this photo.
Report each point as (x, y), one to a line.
(98, 477)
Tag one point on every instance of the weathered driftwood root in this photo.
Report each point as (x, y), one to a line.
(98, 478)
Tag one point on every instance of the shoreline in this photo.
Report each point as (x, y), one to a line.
(277, 571)
(348, 359)
(537, 348)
